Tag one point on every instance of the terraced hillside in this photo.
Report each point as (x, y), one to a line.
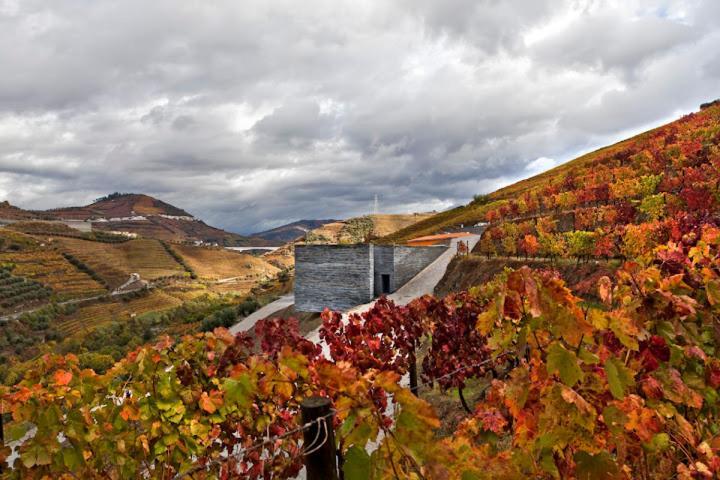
(56, 229)
(619, 202)
(602, 204)
(115, 262)
(177, 230)
(219, 263)
(85, 319)
(51, 269)
(17, 291)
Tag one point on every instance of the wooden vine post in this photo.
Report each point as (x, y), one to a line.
(319, 439)
(412, 370)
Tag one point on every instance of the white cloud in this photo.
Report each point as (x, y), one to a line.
(540, 165)
(253, 113)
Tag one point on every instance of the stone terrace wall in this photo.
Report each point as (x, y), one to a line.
(409, 261)
(333, 276)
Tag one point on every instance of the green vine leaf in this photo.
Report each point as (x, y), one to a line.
(600, 466)
(356, 465)
(619, 377)
(564, 363)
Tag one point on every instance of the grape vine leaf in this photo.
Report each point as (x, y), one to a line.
(35, 455)
(63, 377)
(564, 363)
(619, 377)
(713, 291)
(595, 467)
(238, 391)
(659, 442)
(356, 464)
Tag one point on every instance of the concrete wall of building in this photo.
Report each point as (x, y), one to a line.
(334, 276)
(343, 276)
(409, 261)
(384, 265)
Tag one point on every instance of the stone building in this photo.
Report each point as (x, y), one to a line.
(342, 276)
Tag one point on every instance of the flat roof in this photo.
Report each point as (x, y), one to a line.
(441, 236)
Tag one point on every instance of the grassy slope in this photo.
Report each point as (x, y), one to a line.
(466, 272)
(473, 270)
(387, 224)
(216, 263)
(466, 215)
(89, 317)
(115, 262)
(475, 211)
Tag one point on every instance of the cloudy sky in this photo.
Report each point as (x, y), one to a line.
(251, 114)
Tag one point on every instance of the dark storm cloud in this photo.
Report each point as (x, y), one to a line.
(251, 114)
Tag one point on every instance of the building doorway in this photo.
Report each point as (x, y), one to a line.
(385, 283)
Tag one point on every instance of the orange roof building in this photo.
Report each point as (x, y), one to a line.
(439, 239)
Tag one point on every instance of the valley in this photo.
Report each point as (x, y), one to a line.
(580, 314)
(63, 270)
(376, 240)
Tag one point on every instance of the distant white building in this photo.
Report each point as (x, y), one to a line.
(134, 218)
(124, 234)
(178, 217)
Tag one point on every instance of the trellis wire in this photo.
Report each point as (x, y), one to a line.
(322, 424)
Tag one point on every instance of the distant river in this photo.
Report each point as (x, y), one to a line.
(245, 249)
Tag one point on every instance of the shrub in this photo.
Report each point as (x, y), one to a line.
(248, 306)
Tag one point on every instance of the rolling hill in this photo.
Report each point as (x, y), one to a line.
(379, 225)
(652, 187)
(137, 214)
(361, 229)
(291, 231)
(121, 205)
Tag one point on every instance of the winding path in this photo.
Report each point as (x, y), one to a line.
(249, 322)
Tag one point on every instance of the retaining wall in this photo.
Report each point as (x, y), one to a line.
(409, 261)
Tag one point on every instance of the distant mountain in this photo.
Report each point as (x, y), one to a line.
(11, 212)
(139, 214)
(291, 231)
(120, 205)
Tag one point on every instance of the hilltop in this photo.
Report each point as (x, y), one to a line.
(362, 229)
(291, 231)
(351, 230)
(135, 214)
(121, 205)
